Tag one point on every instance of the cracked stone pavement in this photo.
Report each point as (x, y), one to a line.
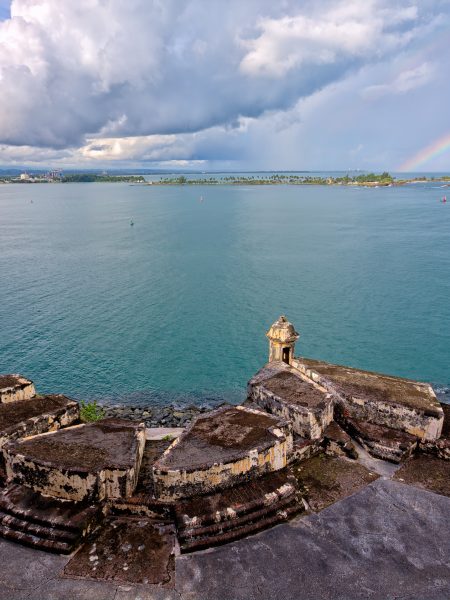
(388, 541)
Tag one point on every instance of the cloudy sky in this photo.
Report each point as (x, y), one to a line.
(225, 84)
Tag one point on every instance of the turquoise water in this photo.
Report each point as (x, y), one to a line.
(176, 307)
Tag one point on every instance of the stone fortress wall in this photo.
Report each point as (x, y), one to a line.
(227, 474)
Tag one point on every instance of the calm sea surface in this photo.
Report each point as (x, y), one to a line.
(175, 308)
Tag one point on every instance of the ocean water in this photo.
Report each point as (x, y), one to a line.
(175, 308)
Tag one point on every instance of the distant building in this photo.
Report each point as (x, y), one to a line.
(54, 175)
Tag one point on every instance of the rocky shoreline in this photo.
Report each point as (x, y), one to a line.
(156, 416)
(176, 415)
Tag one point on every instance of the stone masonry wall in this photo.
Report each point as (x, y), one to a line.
(22, 389)
(306, 423)
(389, 414)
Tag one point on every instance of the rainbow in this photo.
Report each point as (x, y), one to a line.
(437, 148)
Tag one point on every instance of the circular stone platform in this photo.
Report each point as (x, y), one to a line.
(82, 463)
(221, 449)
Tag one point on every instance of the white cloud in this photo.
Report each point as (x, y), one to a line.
(261, 83)
(405, 81)
(349, 30)
(70, 71)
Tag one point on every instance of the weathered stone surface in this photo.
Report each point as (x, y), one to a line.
(387, 528)
(398, 403)
(24, 569)
(382, 442)
(283, 391)
(15, 387)
(388, 541)
(220, 449)
(86, 462)
(126, 549)
(428, 472)
(323, 480)
(303, 448)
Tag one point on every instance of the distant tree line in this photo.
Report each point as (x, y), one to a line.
(276, 179)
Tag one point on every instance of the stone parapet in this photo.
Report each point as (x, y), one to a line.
(385, 400)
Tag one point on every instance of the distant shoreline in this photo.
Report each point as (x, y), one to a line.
(366, 180)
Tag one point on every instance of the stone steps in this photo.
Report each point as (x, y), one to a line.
(29, 518)
(41, 531)
(35, 541)
(227, 532)
(223, 517)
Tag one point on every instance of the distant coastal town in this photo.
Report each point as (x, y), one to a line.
(365, 179)
(60, 177)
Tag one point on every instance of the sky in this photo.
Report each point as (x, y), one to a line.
(225, 84)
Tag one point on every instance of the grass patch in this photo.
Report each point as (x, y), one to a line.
(91, 412)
